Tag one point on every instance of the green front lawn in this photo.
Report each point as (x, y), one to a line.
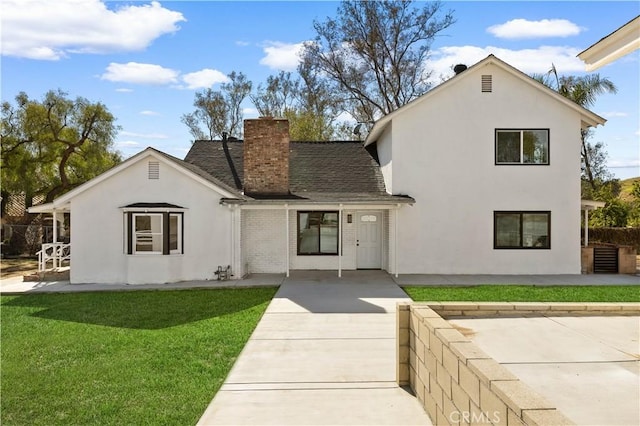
(525, 293)
(144, 357)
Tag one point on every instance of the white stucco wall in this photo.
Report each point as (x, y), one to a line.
(444, 154)
(98, 252)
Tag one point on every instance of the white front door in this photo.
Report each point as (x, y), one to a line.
(369, 240)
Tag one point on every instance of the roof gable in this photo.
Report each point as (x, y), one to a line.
(588, 118)
(183, 167)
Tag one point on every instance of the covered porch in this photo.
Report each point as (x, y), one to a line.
(56, 254)
(344, 236)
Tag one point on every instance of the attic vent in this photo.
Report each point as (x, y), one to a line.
(154, 170)
(486, 84)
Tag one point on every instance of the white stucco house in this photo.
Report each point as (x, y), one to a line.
(480, 175)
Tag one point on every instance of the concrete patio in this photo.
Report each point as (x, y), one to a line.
(588, 367)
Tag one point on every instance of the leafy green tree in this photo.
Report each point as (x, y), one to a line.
(219, 111)
(374, 53)
(51, 146)
(584, 90)
(614, 214)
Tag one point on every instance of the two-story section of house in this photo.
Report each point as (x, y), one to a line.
(492, 159)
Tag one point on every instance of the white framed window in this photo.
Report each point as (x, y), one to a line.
(155, 233)
(147, 233)
(522, 146)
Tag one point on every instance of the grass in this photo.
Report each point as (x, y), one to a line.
(144, 357)
(522, 293)
(17, 267)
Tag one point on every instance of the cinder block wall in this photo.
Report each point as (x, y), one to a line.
(456, 382)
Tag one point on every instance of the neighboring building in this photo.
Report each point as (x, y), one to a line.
(479, 175)
(619, 43)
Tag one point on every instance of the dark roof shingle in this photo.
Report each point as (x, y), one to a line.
(317, 170)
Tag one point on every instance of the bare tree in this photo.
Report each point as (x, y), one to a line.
(219, 111)
(374, 52)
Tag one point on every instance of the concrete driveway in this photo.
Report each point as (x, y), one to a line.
(323, 353)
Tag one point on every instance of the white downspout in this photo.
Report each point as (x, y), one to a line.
(286, 240)
(395, 240)
(340, 242)
(55, 239)
(232, 231)
(586, 227)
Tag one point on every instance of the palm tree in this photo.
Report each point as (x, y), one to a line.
(582, 90)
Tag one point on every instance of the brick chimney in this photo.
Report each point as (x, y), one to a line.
(266, 156)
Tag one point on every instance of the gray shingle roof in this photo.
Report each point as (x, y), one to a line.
(318, 171)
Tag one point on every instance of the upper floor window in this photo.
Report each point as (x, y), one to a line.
(522, 146)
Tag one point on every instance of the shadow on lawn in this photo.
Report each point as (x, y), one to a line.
(149, 310)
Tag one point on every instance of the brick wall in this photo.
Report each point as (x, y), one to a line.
(266, 156)
(264, 241)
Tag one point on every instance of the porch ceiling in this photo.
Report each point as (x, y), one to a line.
(50, 208)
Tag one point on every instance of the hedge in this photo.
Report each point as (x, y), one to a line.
(618, 236)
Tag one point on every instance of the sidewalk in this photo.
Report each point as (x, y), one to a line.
(17, 286)
(323, 353)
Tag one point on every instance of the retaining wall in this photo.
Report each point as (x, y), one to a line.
(456, 382)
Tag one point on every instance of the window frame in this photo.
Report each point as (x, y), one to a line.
(521, 162)
(521, 226)
(298, 236)
(130, 235)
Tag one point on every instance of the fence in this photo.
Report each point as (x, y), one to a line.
(25, 239)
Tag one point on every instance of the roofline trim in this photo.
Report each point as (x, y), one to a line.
(621, 40)
(147, 152)
(588, 117)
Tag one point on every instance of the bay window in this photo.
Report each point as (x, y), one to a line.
(154, 232)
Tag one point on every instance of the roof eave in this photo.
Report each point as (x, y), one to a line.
(615, 45)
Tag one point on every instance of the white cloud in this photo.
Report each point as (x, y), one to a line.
(134, 72)
(51, 30)
(127, 144)
(124, 90)
(623, 163)
(242, 43)
(282, 56)
(611, 114)
(144, 135)
(523, 28)
(149, 113)
(204, 78)
(250, 112)
(528, 61)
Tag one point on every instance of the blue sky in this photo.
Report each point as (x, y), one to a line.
(145, 60)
